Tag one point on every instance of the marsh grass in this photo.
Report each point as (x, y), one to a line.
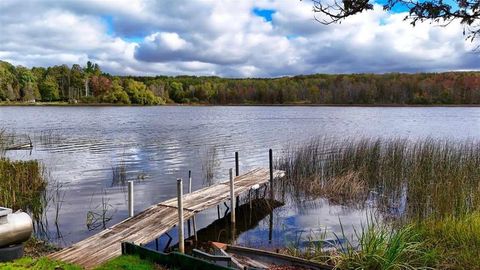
(5, 139)
(119, 174)
(210, 164)
(99, 215)
(49, 137)
(22, 186)
(382, 247)
(408, 179)
(375, 246)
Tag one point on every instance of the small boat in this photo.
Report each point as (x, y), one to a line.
(239, 257)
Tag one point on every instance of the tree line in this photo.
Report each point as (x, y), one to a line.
(89, 84)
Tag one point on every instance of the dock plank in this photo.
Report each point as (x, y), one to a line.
(154, 221)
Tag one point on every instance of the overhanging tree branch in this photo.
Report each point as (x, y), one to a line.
(467, 12)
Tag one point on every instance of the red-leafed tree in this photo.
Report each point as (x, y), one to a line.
(100, 85)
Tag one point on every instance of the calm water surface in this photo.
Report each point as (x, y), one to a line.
(80, 145)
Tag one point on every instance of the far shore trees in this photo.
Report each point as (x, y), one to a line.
(90, 85)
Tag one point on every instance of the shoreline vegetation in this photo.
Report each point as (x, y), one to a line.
(425, 194)
(66, 104)
(89, 85)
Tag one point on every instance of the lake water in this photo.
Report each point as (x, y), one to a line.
(155, 145)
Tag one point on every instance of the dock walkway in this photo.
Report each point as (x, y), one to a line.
(156, 220)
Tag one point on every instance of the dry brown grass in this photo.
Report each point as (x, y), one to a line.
(346, 189)
(404, 178)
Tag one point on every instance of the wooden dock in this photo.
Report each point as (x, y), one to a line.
(156, 220)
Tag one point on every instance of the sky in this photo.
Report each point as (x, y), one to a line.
(236, 38)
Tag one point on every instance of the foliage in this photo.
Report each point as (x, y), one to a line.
(467, 12)
(8, 82)
(49, 89)
(28, 85)
(139, 94)
(90, 85)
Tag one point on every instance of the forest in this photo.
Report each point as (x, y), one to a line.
(90, 85)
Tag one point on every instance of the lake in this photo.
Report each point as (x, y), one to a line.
(83, 147)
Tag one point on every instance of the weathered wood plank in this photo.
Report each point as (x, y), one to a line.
(154, 221)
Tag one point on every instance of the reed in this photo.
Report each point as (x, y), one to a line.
(119, 175)
(374, 246)
(22, 186)
(404, 179)
(101, 214)
(210, 164)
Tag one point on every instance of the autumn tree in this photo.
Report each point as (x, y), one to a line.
(100, 85)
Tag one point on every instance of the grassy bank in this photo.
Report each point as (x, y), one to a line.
(448, 243)
(120, 263)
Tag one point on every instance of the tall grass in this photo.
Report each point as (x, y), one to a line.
(456, 240)
(22, 186)
(416, 179)
(375, 246)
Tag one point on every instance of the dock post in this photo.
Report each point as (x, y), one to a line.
(270, 225)
(193, 218)
(237, 169)
(189, 191)
(130, 199)
(181, 245)
(189, 181)
(237, 173)
(232, 198)
(270, 155)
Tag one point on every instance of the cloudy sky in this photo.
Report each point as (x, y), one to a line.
(237, 38)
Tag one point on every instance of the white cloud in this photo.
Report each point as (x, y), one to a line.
(209, 37)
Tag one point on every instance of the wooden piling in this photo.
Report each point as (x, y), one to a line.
(189, 181)
(237, 172)
(237, 168)
(270, 155)
(130, 199)
(181, 244)
(189, 191)
(232, 197)
(193, 217)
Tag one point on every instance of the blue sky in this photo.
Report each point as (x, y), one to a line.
(264, 13)
(263, 38)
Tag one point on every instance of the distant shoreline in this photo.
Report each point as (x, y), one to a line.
(66, 104)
